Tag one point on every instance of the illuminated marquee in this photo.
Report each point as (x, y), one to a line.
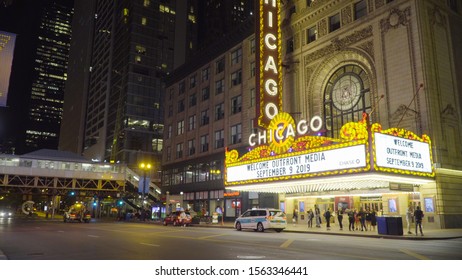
(269, 75)
(7, 42)
(401, 151)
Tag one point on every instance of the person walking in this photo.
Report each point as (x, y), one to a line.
(409, 219)
(340, 218)
(351, 220)
(295, 216)
(418, 216)
(327, 215)
(317, 215)
(310, 218)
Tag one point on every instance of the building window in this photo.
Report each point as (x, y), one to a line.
(453, 5)
(236, 56)
(144, 21)
(236, 104)
(181, 105)
(334, 22)
(219, 139)
(252, 46)
(360, 9)
(169, 153)
(192, 81)
(181, 87)
(252, 97)
(192, 100)
(219, 86)
(137, 59)
(191, 147)
(179, 150)
(236, 78)
(309, 3)
(170, 110)
(311, 34)
(290, 45)
(204, 143)
(140, 49)
(220, 65)
(252, 69)
(205, 74)
(205, 117)
(146, 3)
(170, 131)
(346, 97)
(180, 128)
(192, 122)
(205, 93)
(236, 134)
(219, 111)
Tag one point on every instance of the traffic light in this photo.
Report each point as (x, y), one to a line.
(121, 202)
(72, 193)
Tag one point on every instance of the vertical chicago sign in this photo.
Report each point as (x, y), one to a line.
(269, 67)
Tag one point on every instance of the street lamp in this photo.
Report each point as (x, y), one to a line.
(145, 167)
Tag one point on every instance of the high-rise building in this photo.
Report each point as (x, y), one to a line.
(32, 117)
(49, 76)
(132, 46)
(218, 18)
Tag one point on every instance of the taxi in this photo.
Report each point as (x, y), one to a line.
(261, 220)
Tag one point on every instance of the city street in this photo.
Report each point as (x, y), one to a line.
(54, 240)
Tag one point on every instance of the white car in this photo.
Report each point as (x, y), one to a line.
(262, 219)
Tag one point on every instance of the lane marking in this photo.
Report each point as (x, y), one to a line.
(287, 243)
(211, 236)
(93, 236)
(152, 245)
(251, 257)
(415, 255)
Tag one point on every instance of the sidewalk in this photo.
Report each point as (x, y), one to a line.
(430, 234)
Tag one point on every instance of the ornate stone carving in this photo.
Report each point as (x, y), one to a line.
(322, 27)
(340, 44)
(379, 3)
(436, 17)
(402, 109)
(395, 19)
(449, 111)
(370, 5)
(368, 47)
(347, 15)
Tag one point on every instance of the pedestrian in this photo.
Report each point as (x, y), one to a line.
(340, 218)
(409, 219)
(368, 218)
(418, 216)
(351, 219)
(295, 216)
(327, 216)
(373, 219)
(357, 218)
(317, 215)
(310, 215)
(362, 219)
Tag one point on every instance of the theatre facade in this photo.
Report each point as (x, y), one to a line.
(368, 115)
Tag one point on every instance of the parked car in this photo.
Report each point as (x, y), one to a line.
(178, 218)
(78, 213)
(261, 219)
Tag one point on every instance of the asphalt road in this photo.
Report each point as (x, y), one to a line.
(41, 240)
